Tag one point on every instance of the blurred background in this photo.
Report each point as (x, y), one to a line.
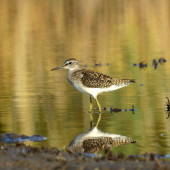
(38, 35)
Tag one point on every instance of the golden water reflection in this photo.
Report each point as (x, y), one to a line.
(38, 35)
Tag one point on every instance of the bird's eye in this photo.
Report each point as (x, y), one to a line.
(70, 62)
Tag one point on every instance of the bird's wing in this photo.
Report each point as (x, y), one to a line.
(95, 80)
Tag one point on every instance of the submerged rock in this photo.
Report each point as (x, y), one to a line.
(14, 138)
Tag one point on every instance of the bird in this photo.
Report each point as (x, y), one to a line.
(91, 82)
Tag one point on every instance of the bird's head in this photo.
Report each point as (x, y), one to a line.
(70, 64)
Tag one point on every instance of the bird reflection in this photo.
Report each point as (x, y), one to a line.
(95, 140)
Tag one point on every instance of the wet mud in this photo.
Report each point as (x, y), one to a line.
(20, 156)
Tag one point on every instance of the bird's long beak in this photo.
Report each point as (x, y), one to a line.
(57, 68)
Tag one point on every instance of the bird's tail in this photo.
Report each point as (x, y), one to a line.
(127, 81)
(132, 80)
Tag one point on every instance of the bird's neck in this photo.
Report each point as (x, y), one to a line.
(71, 72)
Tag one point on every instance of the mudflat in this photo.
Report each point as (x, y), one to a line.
(21, 156)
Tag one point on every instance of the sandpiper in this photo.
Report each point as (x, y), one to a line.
(91, 82)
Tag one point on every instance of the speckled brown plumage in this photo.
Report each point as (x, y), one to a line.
(97, 144)
(98, 80)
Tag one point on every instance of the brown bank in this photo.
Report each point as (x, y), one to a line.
(20, 156)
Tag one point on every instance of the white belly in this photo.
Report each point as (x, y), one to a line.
(95, 91)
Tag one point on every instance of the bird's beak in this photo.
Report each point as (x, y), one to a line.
(57, 68)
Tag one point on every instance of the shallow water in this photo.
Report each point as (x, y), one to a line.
(38, 36)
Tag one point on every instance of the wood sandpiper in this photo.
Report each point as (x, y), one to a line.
(92, 83)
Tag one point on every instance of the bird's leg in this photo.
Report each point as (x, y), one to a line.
(90, 114)
(100, 110)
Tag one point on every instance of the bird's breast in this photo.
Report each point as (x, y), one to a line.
(75, 81)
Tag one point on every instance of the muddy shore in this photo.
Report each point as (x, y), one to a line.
(20, 156)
